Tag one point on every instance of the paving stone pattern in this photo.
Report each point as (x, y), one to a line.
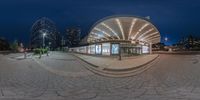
(64, 77)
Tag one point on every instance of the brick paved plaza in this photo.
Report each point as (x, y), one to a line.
(62, 76)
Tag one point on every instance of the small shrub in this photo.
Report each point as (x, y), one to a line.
(44, 50)
(38, 51)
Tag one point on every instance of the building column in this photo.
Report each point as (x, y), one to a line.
(120, 56)
(150, 48)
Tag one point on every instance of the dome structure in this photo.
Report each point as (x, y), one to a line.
(124, 28)
(120, 35)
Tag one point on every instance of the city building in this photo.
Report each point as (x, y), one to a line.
(73, 36)
(188, 43)
(124, 35)
(44, 34)
(158, 47)
(4, 45)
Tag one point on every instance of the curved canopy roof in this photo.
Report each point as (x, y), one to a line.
(125, 28)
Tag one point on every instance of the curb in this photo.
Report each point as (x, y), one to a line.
(118, 72)
(179, 53)
(133, 68)
(85, 61)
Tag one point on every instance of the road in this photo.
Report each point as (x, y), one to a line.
(61, 76)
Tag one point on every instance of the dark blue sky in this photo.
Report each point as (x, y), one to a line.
(174, 18)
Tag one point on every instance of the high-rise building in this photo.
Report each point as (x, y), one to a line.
(4, 45)
(44, 34)
(188, 43)
(158, 47)
(73, 36)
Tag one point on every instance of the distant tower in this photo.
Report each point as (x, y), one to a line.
(73, 36)
(4, 45)
(148, 17)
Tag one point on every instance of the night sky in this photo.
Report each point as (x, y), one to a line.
(173, 18)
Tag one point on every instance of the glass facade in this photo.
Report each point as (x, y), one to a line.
(145, 49)
(130, 51)
(115, 49)
(92, 49)
(106, 49)
(98, 49)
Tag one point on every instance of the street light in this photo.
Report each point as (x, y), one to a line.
(166, 39)
(43, 35)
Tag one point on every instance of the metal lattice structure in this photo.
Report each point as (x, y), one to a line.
(47, 26)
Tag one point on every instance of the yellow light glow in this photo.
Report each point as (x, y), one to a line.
(131, 28)
(140, 30)
(145, 33)
(121, 29)
(148, 36)
(108, 27)
(102, 31)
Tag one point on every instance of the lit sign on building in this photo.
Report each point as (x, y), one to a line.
(115, 48)
(106, 49)
(145, 49)
(98, 49)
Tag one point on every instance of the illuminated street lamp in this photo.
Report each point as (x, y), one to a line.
(43, 35)
(166, 39)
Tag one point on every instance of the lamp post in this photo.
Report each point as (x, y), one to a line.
(166, 39)
(150, 48)
(43, 35)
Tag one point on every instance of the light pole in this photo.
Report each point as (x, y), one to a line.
(166, 39)
(43, 35)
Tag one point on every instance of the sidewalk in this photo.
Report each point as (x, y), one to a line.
(113, 64)
(178, 52)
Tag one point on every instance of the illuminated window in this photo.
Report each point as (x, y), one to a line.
(92, 49)
(115, 48)
(145, 49)
(106, 49)
(98, 49)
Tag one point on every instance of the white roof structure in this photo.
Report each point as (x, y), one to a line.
(124, 28)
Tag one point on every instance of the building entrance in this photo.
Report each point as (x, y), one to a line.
(130, 50)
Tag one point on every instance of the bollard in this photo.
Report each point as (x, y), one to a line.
(47, 53)
(25, 55)
(40, 55)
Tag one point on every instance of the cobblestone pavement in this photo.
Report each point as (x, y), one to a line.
(63, 77)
